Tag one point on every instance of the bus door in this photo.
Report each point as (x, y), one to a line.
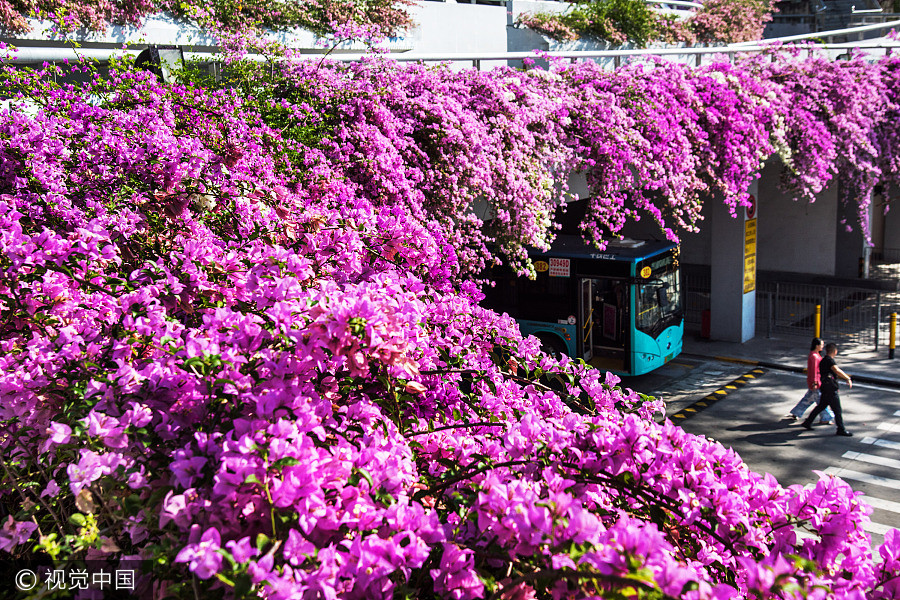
(611, 323)
(586, 310)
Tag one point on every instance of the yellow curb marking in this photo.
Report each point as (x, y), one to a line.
(716, 396)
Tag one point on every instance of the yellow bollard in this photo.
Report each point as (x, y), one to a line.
(817, 324)
(893, 335)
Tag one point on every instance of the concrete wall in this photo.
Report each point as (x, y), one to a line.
(849, 241)
(795, 236)
(696, 248)
(452, 27)
(891, 236)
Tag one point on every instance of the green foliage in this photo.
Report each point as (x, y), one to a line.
(613, 20)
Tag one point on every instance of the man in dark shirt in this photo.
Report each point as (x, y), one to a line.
(829, 373)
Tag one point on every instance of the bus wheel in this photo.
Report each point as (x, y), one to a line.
(552, 345)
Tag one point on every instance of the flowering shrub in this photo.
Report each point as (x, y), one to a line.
(547, 24)
(366, 19)
(615, 21)
(238, 338)
(618, 21)
(731, 21)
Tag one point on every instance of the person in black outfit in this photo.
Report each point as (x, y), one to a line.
(829, 373)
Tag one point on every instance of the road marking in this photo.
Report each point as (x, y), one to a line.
(878, 528)
(864, 477)
(873, 459)
(889, 427)
(897, 413)
(714, 397)
(880, 442)
(880, 503)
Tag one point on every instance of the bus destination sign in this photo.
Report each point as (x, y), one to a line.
(559, 267)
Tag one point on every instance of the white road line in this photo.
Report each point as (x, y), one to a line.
(888, 444)
(881, 504)
(880, 442)
(897, 413)
(864, 477)
(873, 459)
(876, 528)
(890, 427)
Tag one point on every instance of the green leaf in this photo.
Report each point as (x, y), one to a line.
(287, 461)
(367, 477)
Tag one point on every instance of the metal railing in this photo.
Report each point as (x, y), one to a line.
(612, 58)
(827, 35)
(853, 316)
(616, 58)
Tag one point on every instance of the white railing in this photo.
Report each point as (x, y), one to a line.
(614, 58)
(619, 57)
(828, 35)
(682, 3)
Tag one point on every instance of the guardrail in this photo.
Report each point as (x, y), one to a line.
(828, 35)
(615, 58)
(857, 316)
(680, 3)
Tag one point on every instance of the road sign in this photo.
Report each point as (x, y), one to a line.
(750, 210)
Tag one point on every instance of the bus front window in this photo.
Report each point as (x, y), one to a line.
(659, 298)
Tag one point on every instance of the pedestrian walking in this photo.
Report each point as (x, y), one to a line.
(813, 381)
(829, 373)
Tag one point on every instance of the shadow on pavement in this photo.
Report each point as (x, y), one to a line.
(783, 424)
(777, 433)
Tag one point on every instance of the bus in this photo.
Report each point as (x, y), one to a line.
(620, 309)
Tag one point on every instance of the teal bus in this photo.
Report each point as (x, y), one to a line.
(619, 309)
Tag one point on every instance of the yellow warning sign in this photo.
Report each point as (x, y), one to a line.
(749, 255)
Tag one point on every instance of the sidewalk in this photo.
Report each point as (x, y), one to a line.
(790, 352)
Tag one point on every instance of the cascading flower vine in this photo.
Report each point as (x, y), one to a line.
(239, 336)
(367, 20)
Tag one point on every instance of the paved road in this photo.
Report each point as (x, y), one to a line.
(686, 380)
(750, 419)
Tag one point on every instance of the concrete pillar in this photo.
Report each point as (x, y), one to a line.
(850, 242)
(733, 271)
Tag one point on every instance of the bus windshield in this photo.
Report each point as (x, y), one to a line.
(658, 300)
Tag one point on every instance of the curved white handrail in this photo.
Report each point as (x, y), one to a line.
(683, 3)
(37, 54)
(823, 34)
(58, 53)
